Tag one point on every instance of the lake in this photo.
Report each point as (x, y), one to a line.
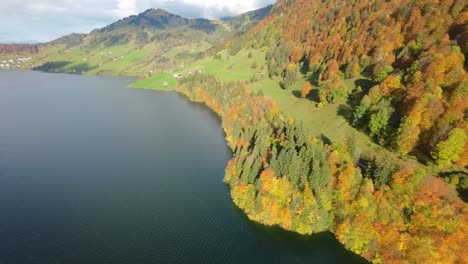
(94, 172)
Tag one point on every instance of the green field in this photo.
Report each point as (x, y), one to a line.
(226, 68)
(161, 82)
(231, 68)
(129, 59)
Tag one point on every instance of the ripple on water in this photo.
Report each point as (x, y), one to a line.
(93, 172)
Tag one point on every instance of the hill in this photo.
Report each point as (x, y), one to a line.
(244, 22)
(18, 48)
(153, 41)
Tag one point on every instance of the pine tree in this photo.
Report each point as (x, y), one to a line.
(379, 120)
(254, 172)
(361, 110)
(291, 75)
(383, 172)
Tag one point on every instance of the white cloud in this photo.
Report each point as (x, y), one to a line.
(197, 8)
(233, 6)
(126, 8)
(37, 7)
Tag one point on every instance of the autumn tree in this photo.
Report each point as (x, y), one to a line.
(332, 90)
(408, 136)
(352, 69)
(332, 69)
(306, 88)
(382, 73)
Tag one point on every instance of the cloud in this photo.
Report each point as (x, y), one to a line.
(194, 8)
(127, 7)
(44, 20)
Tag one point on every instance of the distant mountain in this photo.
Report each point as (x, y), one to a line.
(18, 48)
(154, 40)
(158, 24)
(244, 22)
(69, 40)
(157, 19)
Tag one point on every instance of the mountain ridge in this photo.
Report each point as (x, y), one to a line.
(154, 32)
(158, 19)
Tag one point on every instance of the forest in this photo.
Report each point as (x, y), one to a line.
(280, 176)
(408, 59)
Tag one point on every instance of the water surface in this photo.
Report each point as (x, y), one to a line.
(94, 172)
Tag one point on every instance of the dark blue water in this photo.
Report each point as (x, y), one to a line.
(94, 172)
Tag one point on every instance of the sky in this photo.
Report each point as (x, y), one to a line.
(26, 21)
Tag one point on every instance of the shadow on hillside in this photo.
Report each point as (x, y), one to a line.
(51, 66)
(365, 84)
(313, 95)
(205, 26)
(83, 67)
(354, 99)
(297, 93)
(59, 66)
(345, 111)
(462, 192)
(325, 139)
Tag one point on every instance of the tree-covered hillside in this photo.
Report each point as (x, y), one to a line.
(408, 58)
(407, 64)
(280, 175)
